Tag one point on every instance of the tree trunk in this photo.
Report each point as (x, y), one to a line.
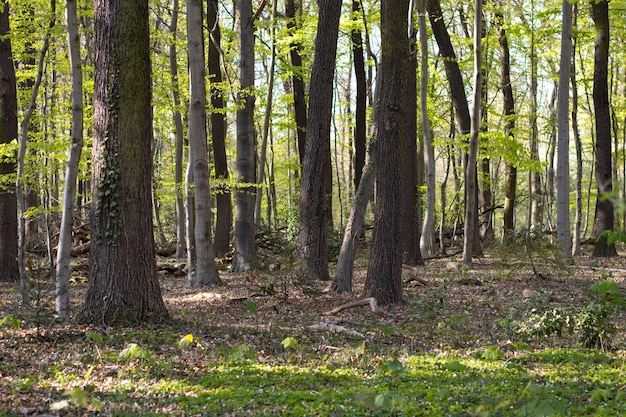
(312, 251)
(73, 159)
(246, 136)
(451, 65)
(181, 239)
(224, 211)
(260, 178)
(123, 286)
(470, 169)
(535, 216)
(428, 228)
(510, 187)
(203, 271)
(604, 175)
(384, 274)
(576, 237)
(562, 204)
(360, 125)
(8, 132)
(297, 80)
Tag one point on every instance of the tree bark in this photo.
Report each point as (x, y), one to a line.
(562, 204)
(360, 125)
(297, 80)
(224, 211)
(604, 219)
(203, 271)
(470, 169)
(73, 159)
(8, 132)
(510, 187)
(181, 238)
(245, 194)
(123, 286)
(312, 251)
(384, 274)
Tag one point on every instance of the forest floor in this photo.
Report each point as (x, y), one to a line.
(495, 340)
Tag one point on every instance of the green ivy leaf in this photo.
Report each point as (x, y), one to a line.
(250, 306)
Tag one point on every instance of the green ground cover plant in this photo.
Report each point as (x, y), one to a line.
(451, 350)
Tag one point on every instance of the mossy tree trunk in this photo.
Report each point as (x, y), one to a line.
(123, 287)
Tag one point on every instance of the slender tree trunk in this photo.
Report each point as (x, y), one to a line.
(203, 271)
(224, 211)
(20, 186)
(470, 170)
(360, 125)
(73, 159)
(535, 217)
(510, 187)
(312, 251)
(8, 132)
(562, 204)
(123, 286)
(266, 122)
(576, 244)
(604, 219)
(451, 65)
(181, 239)
(297, 80)
(384, 273)
(428, 228)
(246, 137)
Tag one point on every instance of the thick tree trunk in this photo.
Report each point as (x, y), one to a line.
(224, 211)
(123, 286)
(604, 219)
(576, 236)
(384, 274)
(71, 172)
(203, 271)
(312, 251)
(245, 194)
(8, 132)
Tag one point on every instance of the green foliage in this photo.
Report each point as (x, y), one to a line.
(250, 306)
(11, 322)
(240, 352)
(290, 343)
(134, 351)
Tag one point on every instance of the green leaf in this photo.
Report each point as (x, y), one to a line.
(241, 351)
(393, 366)
(455, 366)
(133, 351)
(290, 343)
(492, 353)
(94, 336)
(250, 306)
(12, 322)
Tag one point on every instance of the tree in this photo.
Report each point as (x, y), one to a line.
(297, 80)
(360, 125)
(224, 212)
(8, 133)
(604, 218)
(470, 170)
(123, 286)
(181, 237)
(73, 159)
(562, 211)
(312, 251)
(202, 268)
(510, 187)
(384, 273)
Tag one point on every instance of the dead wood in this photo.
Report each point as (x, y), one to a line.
(371, 301)
(334, 328)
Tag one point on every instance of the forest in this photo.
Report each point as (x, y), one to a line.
(312, 208)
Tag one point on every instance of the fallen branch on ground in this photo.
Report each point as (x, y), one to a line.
(371, 301)
(334, 328)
